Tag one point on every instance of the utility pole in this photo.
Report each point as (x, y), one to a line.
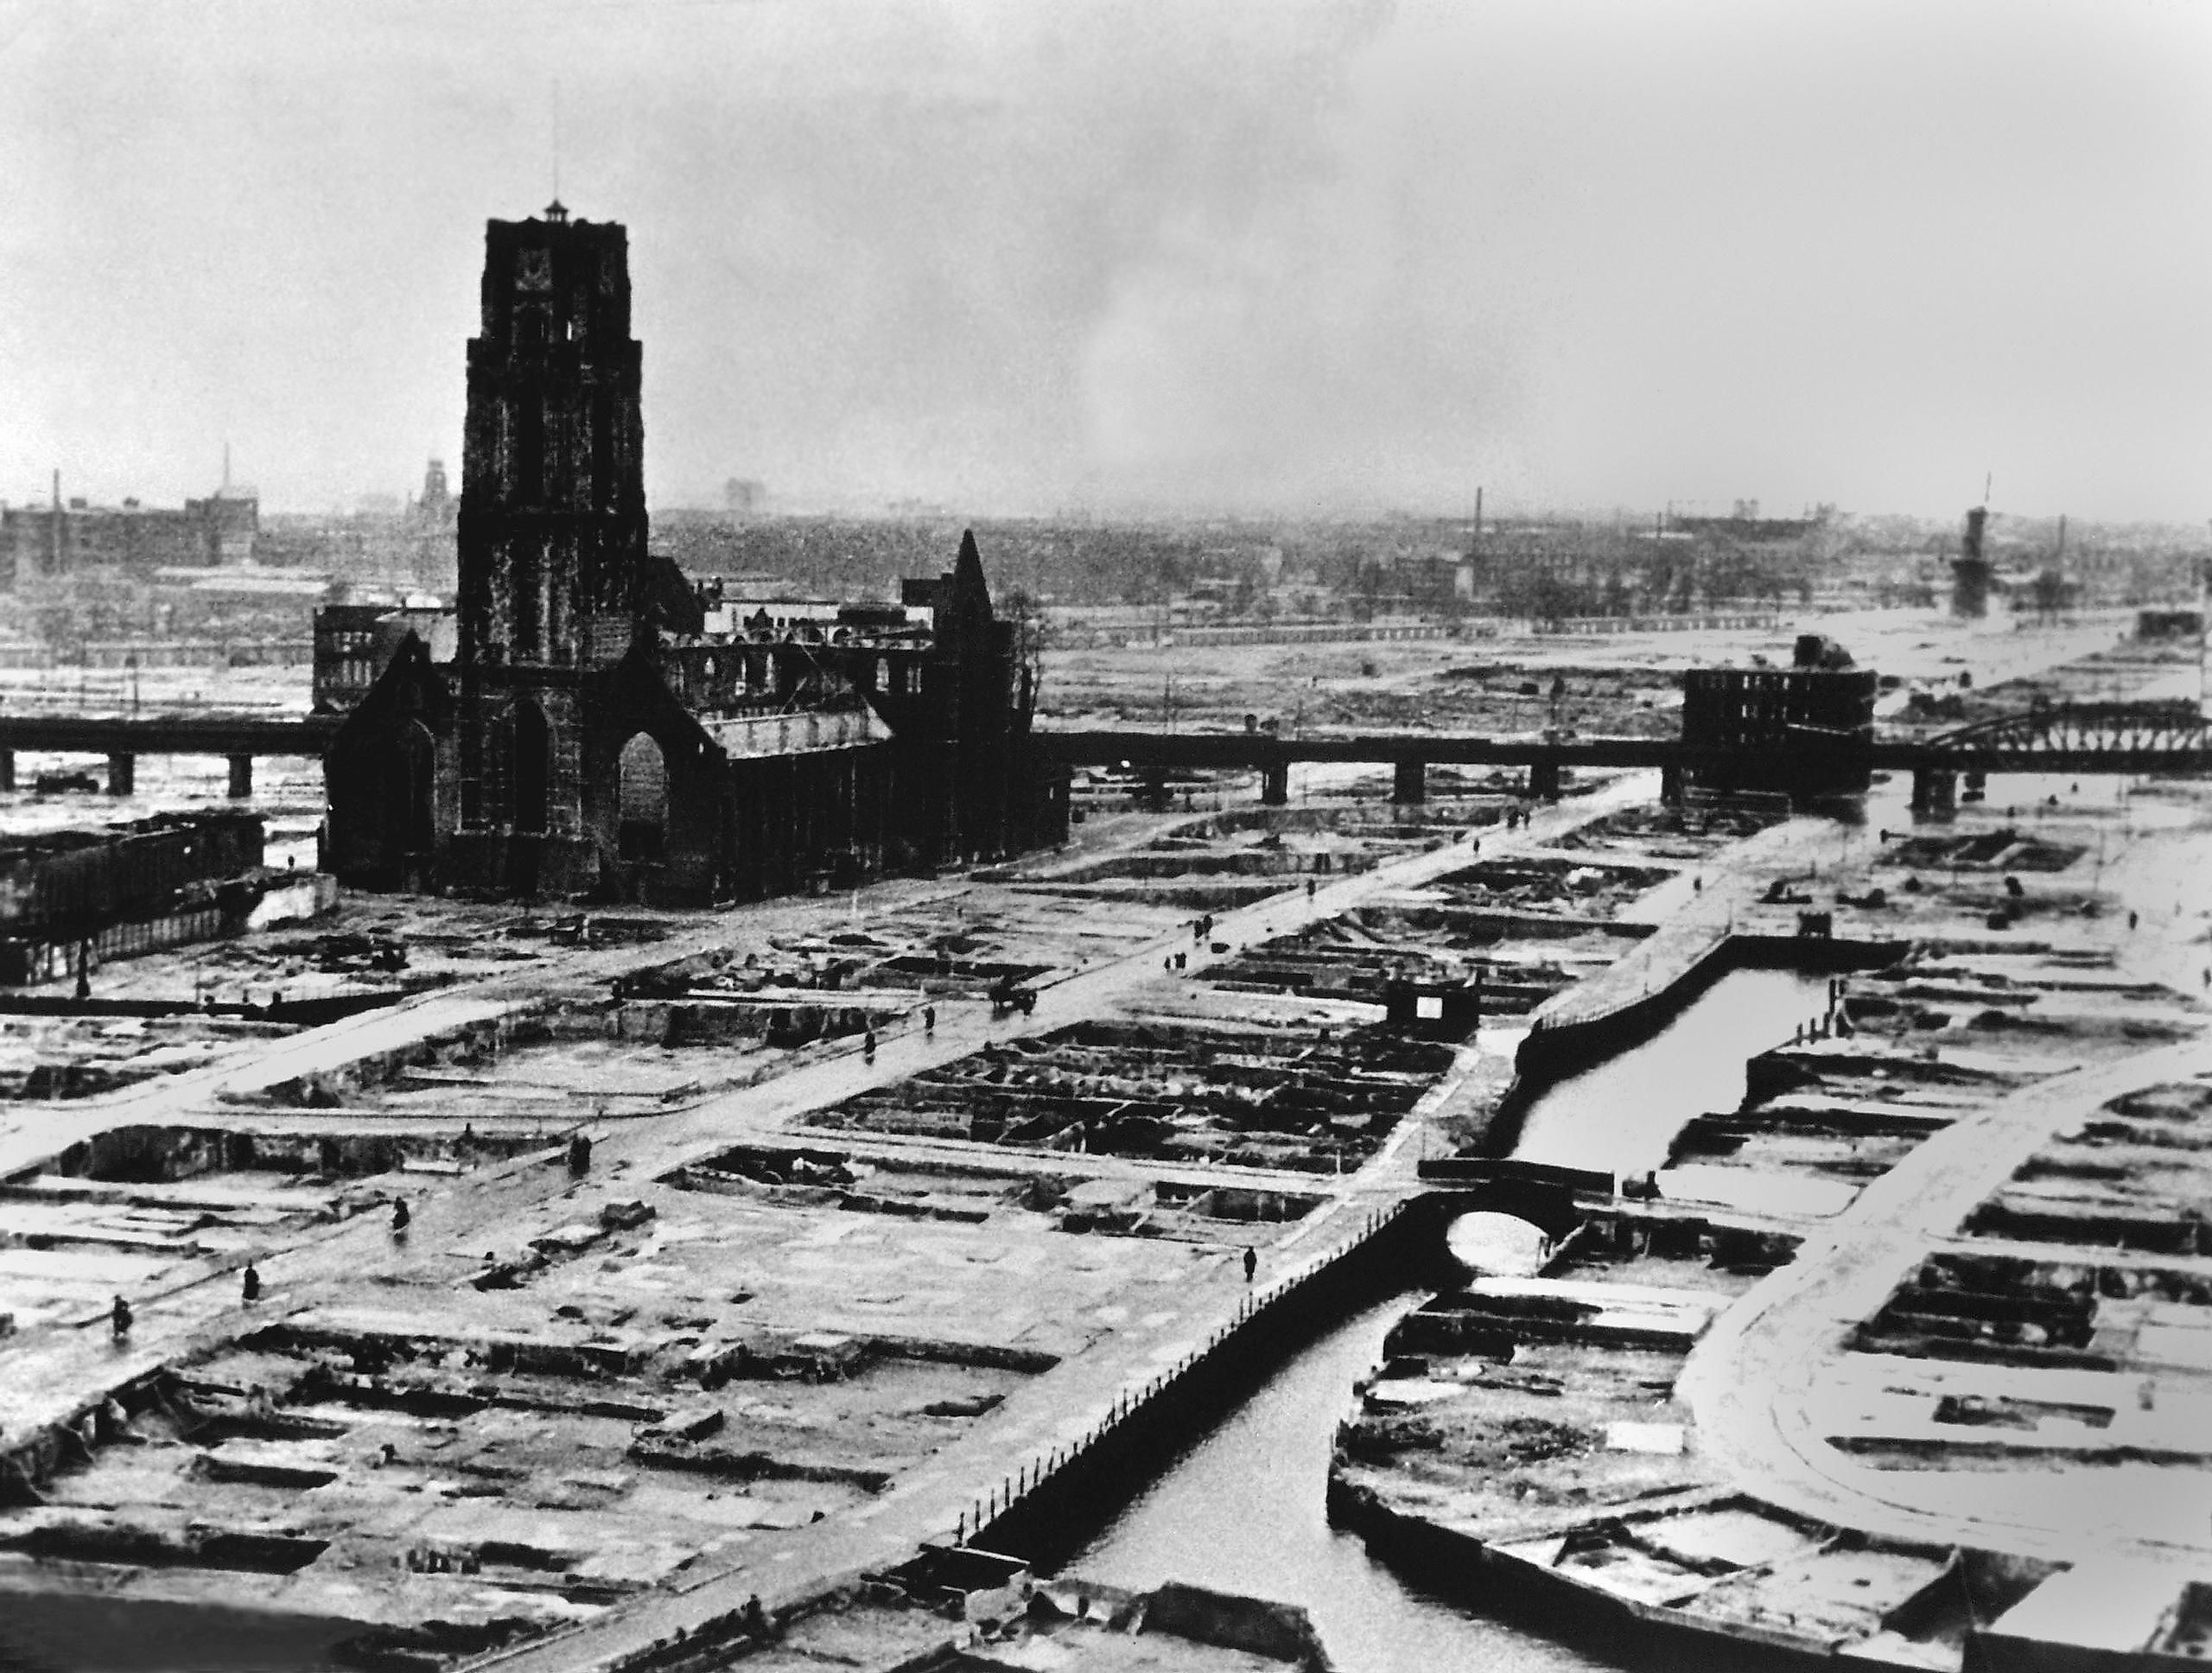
(2203, 568)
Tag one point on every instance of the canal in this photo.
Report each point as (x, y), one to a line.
(1244, 1509)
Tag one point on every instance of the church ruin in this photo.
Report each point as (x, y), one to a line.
(600, 732)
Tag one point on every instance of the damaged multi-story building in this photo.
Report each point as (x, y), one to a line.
(597, 734)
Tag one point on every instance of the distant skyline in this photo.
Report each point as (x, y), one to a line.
(1251, 255)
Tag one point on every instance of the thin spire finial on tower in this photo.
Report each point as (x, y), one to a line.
(557, 210)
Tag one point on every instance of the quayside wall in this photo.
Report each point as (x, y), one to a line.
(1464, 1568)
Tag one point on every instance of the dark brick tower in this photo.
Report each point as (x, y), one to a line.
(1971, 572)
(552, 531)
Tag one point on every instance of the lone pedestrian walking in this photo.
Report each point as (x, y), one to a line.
(867, 1046)
(400, 1217)
(580, 1154)
(118, 1318)
(929, 1019)
(1251, 1262)
(249, 1285)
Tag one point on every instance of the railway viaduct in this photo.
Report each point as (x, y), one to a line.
(2137, 739)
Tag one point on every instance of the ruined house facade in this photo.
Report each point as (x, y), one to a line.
(589, 738)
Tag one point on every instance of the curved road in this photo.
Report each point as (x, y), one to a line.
(1757, 1380)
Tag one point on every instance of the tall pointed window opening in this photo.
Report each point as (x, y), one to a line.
(643, 832)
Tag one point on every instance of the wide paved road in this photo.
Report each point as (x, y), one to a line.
(1757, 1382)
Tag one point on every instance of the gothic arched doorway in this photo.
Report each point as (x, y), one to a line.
(642, 831)
(408, 787)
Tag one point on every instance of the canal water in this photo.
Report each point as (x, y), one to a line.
(1618, 1117)
(1244, 1511)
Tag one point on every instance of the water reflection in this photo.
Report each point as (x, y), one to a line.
(1621, 1116)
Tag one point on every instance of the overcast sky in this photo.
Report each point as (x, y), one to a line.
(1146, 253)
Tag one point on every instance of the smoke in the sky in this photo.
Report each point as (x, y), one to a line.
(1140, 253)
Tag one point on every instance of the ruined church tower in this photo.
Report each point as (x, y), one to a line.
(552, 522)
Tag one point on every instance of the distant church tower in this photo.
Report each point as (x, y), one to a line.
(552, 521)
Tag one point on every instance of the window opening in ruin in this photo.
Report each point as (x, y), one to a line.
(409, 776)
(533, 767)
(642, 833)
(526, 601)
(603, 492)
(528, 478)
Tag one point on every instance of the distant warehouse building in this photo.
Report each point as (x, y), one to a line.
(73, 899)
(62, 539)
(354, 643)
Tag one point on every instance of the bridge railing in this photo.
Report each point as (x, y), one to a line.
(107, 698)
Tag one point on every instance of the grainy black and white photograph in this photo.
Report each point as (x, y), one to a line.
(1105, 836)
